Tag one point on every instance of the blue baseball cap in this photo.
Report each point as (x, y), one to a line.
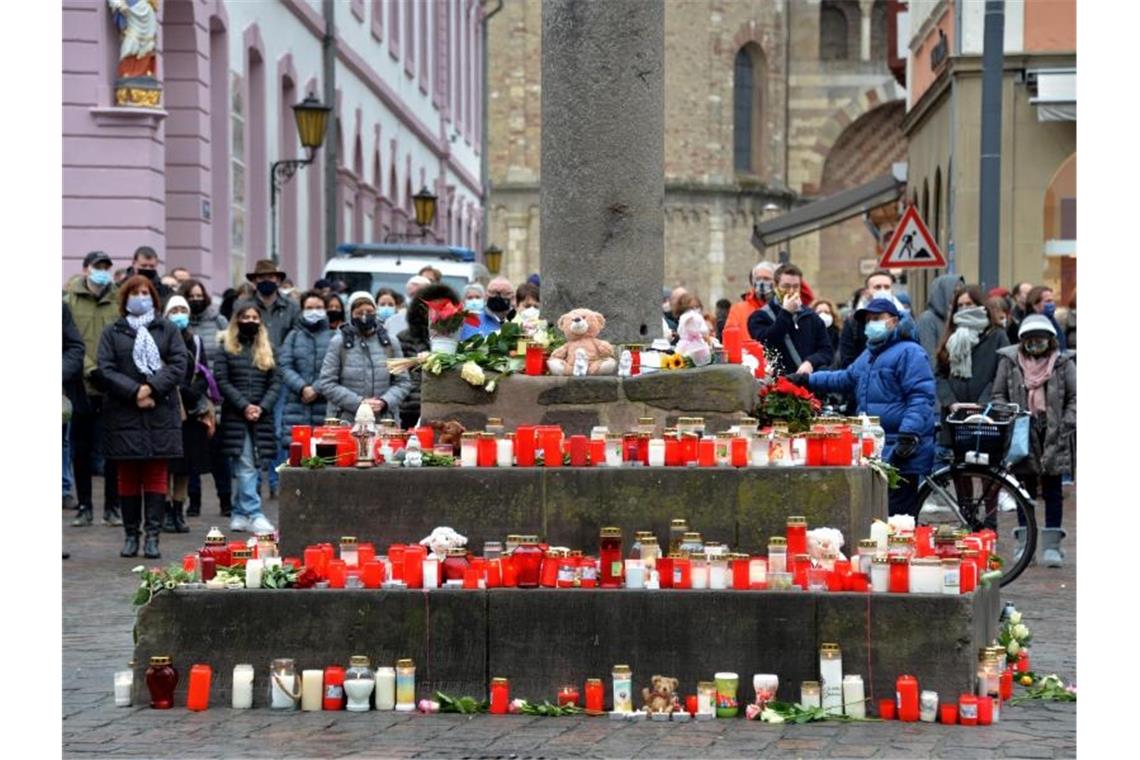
(878, 306)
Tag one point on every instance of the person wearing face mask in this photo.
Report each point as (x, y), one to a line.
(334, 311)
(209, 325)
(1041, 301)
(892, 380)
(932, 321)
(414, 340)
(1039, 377)
(794, 338)
(301, 357)
(497, 310)
(355, 368)
(198, 392)
(967, 355)
(826, 313)
(527, 301)
(250, 382)
(762, 284)
(143, 360)
(852, 341)
(93, 301)
(387, 305)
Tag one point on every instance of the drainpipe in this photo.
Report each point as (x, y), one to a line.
(328, 50)
(485, 168)
(989, 214)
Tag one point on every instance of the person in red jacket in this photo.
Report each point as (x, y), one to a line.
(762, 278)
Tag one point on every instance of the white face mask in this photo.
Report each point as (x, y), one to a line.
(530, 313)
(827, 319)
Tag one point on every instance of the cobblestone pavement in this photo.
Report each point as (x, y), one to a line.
(97, 626)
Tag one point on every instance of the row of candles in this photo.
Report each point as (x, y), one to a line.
(919, 562)
(840, 442)
(359, 688)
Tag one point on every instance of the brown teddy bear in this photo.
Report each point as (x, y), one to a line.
(663, 697)
(582, 347)
(448, 433)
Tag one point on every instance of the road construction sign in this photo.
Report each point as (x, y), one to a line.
(912, 245)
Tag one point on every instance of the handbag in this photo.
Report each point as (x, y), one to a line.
(1018, 440)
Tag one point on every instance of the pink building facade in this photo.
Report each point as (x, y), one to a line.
(191, 178)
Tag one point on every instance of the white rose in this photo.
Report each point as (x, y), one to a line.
(473, 374)
(1015, 617)
(1020, 632)
(1013, 648)
(771, 716)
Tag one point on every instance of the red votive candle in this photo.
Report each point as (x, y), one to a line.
(682, 572)
(414, 565)
(595, 695)
(733, 342)
(887, 709)
(898, 579)
(510, 573)
(568, 695)
(739, 452)
(795, 530)
(535, 359)
(665, 571)
(1005, 684)
(741, 566)
(302, 434)
(629, 447)
(673, 451)
(396, 558)
(471, 576)
(580, 451)
(198, 692)
(524, 446)
(485, 451)
(906, 690)
(643, 448)
(338, 572)
(365, 552)
(551, 442)
(296, 453)
(372, 573)
(968, 710)
(800, 565)
(597, 452)
(500, 689)
(334, 688)
(835, 579)
(207, 568)
(588, 569)
(706, 452)
(859, 582)
(634, 361)
(985, 711)
(1023, 661)
(949, 714)
(426, 436)
(690, 443)
(494, 573)
(189, 562)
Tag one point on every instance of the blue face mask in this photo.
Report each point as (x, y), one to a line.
(474, 304)
(139, 305)
(1050, 309)
(181, 321)
(876, 331)
(100, 277)
(383, 312)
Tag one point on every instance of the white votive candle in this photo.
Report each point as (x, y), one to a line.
(385, 688)
(243, 687)
(505, 452)
(124, 680)
(312, 690)
(431, 572)
(853, 696)
(253, 572)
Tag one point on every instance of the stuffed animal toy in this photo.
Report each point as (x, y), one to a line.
(822, 540)
(625, 365)
(692, 330)
(448, 433)
(581, 363)
(442, 539)
(581, 328)
(663, 697)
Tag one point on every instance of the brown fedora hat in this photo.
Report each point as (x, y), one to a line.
(265, 266)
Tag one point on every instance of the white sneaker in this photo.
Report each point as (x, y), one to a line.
(261, 524)
(239, 524)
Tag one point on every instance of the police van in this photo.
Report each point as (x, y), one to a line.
(371, 266)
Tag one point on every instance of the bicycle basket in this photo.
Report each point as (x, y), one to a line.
(980, 438)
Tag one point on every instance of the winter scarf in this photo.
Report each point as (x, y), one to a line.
(144, 352)
(1036, 372)
(960, 345)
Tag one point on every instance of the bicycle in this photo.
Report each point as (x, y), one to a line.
(978, 490)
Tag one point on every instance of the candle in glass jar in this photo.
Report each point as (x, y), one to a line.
(810, 694)
(613, 450)
(879, 533)
(951, 576)
(414, 565)
(312, 690)
(656, 456)
(623, 689)
(706, 697)
(682, 571)
(505, 451)
(487, 451)
(500, 696)
(242, 687)
(598, 451)
(634, 573)
(880, 575)
(699, 572)
(796, 533)
(348, 553)
(706, 452)
(899, 581)
(386, 688)
(469, 450)
(579, 451)
(333, 698)
(124, 681)
(282, 685)
(757, 572)
(405, 685)
(925, 575)
(906, 695)
(568, 695)
(928, 706)
(739, 452)
(777, 554)
(968, 710)
(198, 689)
(831, 678)
(595, 696)
(741, 571)
(525, 445)
(718, 572)
(854, 699)
(431, 572)
(253, 573)
(611, 557)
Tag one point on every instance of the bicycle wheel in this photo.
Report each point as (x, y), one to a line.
(977, 497)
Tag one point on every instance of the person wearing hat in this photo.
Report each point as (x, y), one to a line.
(794, 337)
(92, 299)
(1039, 377)
(891, 380)
(355, 368)
(195, 389)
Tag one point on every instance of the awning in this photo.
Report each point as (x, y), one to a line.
(1054, 94)
(831, 210)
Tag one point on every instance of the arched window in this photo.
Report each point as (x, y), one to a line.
(924, 209)
(879, 31)
(748, 109)
(832, 32)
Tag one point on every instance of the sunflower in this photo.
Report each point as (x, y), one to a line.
(676, 361)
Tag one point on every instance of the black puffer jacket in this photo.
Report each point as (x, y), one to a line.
(130, 432)
(243, 384)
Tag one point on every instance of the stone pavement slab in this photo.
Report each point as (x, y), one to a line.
(97, 640)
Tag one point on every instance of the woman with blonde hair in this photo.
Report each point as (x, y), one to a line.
(249, 380)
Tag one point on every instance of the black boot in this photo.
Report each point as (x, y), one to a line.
(131, 507)
(168, 524)
(154, 504)
(180, 525)
(225, 504)
(194, 506)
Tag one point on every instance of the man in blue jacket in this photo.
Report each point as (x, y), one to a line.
(794, 337)
(891, 380)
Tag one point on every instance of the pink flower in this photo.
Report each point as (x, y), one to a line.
(752, 712)
(428, 706)
(516, 706)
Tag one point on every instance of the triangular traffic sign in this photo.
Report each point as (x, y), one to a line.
(912, 245)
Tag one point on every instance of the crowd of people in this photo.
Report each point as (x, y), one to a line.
(874, 356)
(164, 387)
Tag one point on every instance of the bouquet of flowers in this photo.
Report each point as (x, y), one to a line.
(1014, 636)
(445, 318)
(790, 403)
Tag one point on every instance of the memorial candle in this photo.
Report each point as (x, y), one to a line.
(338, 573)
(968, 710)
(500, 696)
(431, 572)
(579, 451)
(414, 565)
(598, 451)
(706, 452)
(524, 446)
(505, 451)
(595, 696)
(253, 572)
(469, 450)
(396, 559)
(906, 692)
(372, 574)
(312, 690)
(611, 556)
(405, 685)
(242, 687)
(758, 573)
(796, 532)
(682, 571)
(198, 690)
(124, 681)
(568, 695)
(386, 688)
(810, 694)
(854, 701)
(831, 678)
(741, 570)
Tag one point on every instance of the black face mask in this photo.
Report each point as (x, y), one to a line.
(498, 304)
(197, 305)
(335, 317)
(247, 331)
(150, 274)
(366, 324)
(267, 288)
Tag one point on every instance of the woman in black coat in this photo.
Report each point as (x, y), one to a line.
(416, 339)
(142, 359)
(249, 380)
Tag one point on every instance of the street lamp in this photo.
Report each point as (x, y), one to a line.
(311, 116)
(424, 203)
(493, 258)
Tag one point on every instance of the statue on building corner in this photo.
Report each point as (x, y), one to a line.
(136, 82)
